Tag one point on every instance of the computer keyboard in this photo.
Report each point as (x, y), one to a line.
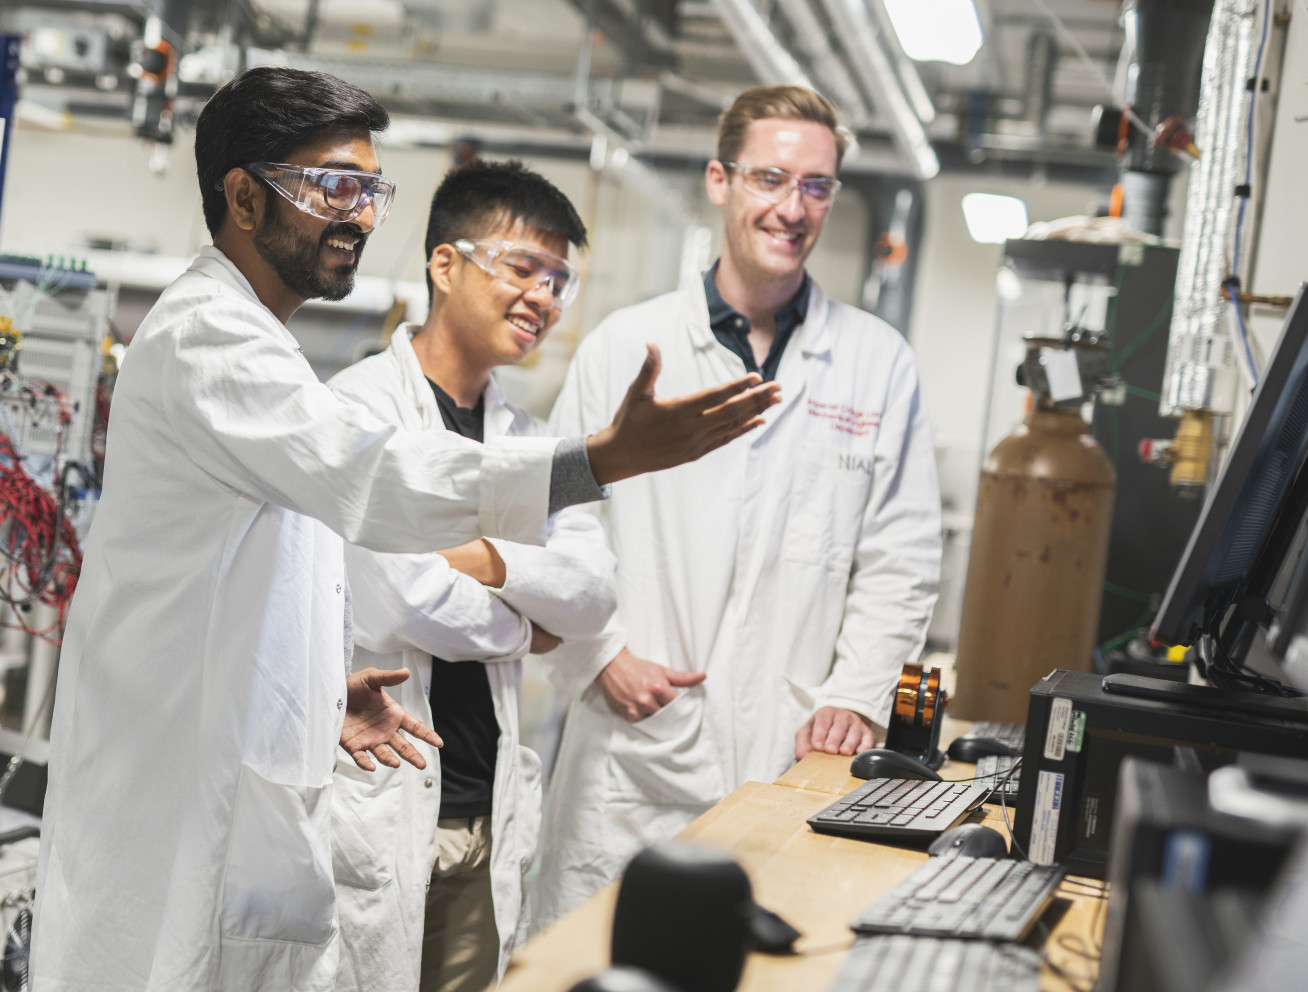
(932, 964)
(979, 898)
(1012, 734)
(991, 770)
(897, 808)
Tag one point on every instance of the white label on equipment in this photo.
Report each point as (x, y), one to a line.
(1063, 374)
(1060, 718)
(1044, 821)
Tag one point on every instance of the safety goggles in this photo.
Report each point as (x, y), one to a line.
(329, 194)
(774, 185)
(524, 268)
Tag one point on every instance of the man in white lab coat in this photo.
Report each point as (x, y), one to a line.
(202, 686)
(430, 868)
(768, 595)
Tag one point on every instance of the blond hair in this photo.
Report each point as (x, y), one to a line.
(786, 102)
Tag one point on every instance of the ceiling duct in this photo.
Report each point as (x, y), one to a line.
(905, 68)
(769, 59)
(860, 38)
(833, 74)
(1041, 61)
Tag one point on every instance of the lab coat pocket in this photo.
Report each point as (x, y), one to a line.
(278, 884)
(356, 861)
(668, 757)
(827, 501)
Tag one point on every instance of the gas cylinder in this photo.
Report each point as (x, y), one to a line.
(1035, 578)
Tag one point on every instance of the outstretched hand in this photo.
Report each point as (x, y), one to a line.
(649, 433)
(376, 723)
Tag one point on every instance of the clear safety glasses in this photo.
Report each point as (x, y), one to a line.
(774, 185)
(524, 268)
(330, 194)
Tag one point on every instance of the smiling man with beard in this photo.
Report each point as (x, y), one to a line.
(203, 684)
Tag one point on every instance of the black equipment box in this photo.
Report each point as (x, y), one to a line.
(1080, 726)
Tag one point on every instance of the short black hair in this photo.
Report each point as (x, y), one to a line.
(265, 114)
(479, 197)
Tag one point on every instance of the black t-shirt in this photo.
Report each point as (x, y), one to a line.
(462, 710)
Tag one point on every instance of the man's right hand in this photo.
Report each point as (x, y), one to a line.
(635, 688)
(649, 433)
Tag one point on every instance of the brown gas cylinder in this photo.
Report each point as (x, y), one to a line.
(1036, 574)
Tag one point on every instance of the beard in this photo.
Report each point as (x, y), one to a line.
(297, 258)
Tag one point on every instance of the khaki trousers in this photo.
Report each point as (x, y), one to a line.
(460, 943)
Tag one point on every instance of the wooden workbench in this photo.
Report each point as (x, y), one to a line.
(816, 882)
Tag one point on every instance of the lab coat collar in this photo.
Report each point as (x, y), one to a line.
(213, 263)
(813, 336)
(499, 415)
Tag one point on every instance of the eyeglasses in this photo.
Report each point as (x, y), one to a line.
(524, 268)
(775, 185)
(330, 194)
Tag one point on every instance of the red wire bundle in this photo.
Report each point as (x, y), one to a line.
(32, 529)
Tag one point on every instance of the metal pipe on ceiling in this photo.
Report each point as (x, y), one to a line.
(834, 75)
(1041, 62)
(905, 69)
(769, 59)
(861, 40)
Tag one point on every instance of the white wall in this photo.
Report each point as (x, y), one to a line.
(1281, 263)
(954, 311)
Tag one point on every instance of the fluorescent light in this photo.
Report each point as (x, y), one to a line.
(936, 30)
(992, 219)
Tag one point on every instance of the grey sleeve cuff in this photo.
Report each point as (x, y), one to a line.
(571, 480)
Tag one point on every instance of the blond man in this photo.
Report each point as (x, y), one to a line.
(768, 595)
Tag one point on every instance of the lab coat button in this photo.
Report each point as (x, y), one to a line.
(427, 784)
(338, 588)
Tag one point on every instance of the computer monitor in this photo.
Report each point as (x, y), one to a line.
(1226, 587)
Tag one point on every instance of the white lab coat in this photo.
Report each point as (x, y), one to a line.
(407, 608)
(186, 842)
(797, 566)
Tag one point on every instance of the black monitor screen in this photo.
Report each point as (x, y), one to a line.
(1243, 533)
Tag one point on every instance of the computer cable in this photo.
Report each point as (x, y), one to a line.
(1080, 983)
(1097, 888)
(1003, 804)
(1226, 666)
(999, 785)
(818, 952)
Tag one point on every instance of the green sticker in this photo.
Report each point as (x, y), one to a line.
(1076, 734)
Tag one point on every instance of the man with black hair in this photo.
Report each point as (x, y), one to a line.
(498, 279)
(203, 681)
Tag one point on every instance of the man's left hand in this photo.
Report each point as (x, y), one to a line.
(376, 723)
(836, 731)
